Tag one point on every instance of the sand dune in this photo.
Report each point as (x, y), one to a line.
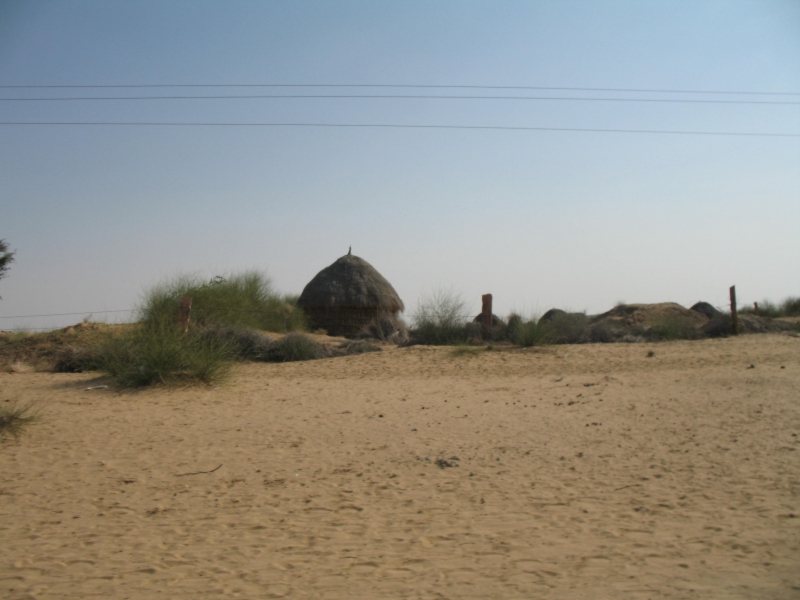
(588, 471)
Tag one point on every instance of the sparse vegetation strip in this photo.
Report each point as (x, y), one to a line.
(228, 316)
(790, 307)
(159, 353)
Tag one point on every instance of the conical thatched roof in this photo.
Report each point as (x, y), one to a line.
(704, 308)
(350, 283)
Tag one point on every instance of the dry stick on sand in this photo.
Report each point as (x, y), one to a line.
(197, 472)
(616, 490)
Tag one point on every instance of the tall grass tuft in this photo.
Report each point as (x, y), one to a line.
(245, 299)
(159, 353)
(527, 333)
(790, 307)
(15, 417)
(765, 309)
(441, 319)
(567, 328)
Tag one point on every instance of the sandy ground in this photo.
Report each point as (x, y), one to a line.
(588, 471)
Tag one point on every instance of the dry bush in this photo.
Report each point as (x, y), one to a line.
(70, 346)
(386, 329)
(15, 417)
(720, 326)
(358, 347)
(294, 347)
(244, 343)
(442, 319)
(602, 333)
(77, 359)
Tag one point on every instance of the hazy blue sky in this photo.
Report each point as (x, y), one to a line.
(576, 220)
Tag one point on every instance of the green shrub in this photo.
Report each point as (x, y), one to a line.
(527, 333)
(246, 299)
(790, 307)
(567, 328)
(768, 309)
(442, 319)
(765, 309)
(157, 353)
(532, 334)
(15, 417)
(514, 322)
(296, 346)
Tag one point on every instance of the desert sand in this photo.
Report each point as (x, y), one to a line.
(591, 471)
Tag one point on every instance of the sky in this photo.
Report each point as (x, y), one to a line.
(579, 220)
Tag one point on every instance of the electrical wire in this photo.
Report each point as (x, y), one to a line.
(406, 86)
(396, 97)
(83, 312)
(397, 126)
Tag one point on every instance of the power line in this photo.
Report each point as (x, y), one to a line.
(97, 312)
(395, 97)
(83, 312)
(25, 329)
(407, 86)
(395, 126)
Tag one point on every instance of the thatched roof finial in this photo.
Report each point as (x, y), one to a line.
(349, 251)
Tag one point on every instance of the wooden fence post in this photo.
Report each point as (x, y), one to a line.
(184, 312)
(486, 312)
(734, 314)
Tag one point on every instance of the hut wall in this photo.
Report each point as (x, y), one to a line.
(343, 321)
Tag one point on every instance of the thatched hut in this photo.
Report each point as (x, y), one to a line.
(704, 308)
(347, 296)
